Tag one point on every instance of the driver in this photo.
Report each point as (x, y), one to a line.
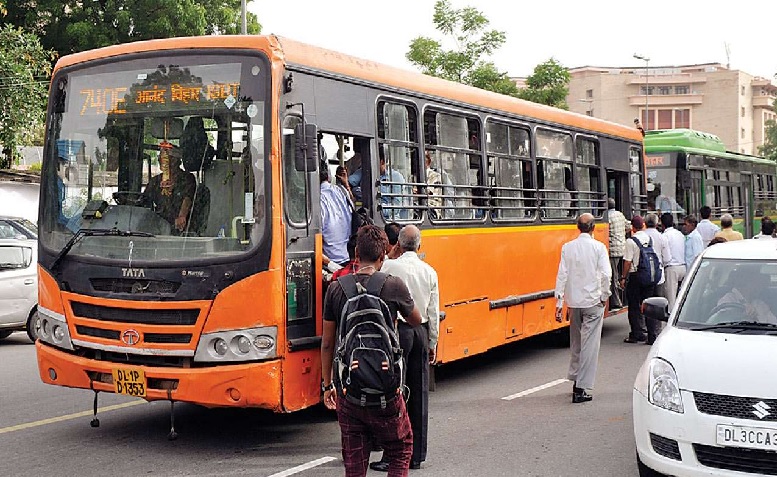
(746, 291)
(171, 192)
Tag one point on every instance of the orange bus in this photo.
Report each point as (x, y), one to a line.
(201, 282)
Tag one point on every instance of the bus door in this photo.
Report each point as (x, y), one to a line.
(301, 368)
(618, 189)
(747, 200)
(694, 191)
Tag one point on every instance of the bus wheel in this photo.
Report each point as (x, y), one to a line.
(33, 325)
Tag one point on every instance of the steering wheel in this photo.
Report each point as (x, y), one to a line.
(725, 307)
(130, 198)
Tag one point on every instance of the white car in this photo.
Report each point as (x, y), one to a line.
(18, 287)
(705, 400)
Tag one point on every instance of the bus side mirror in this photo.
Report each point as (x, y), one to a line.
(306, 150)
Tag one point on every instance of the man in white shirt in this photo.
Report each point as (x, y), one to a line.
(636, 292)
(418, 343)
(674, 269)
(706, 229)
(583, 281)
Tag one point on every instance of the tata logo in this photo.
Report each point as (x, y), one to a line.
(130, 337)
(761, 409)
(133, 272)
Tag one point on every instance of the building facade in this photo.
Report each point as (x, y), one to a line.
(731, 104)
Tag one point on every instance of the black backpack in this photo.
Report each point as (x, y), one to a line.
(368, 362)
(649, 268)
(359, 218)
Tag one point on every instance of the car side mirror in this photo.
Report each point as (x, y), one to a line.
(306, 147)
(656, 307)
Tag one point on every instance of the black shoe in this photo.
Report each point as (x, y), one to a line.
(631, 339)
(415, 465)
(380, 466)
(577, 390)
(650, 342)
(581, 397)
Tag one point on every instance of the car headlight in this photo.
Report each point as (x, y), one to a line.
(663, 387)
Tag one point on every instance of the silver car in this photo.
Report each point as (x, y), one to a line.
(18, 287)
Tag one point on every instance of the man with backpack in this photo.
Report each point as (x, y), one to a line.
(361, 359)
(643, 268)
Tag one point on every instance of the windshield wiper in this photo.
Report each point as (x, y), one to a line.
(90, 233)
(744, 325)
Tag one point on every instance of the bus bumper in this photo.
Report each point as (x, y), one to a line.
(233, 385)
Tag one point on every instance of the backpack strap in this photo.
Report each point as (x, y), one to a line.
(348, 284)
(375, 283)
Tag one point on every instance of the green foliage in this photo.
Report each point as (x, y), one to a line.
(24, 70)
(69, 26)
(769, 149)
(549, 84)
(36, 167)
(466, 27)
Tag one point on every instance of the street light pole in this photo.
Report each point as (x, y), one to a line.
(243, 19)
(647, 110)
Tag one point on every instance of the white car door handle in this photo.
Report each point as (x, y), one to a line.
(29, 281)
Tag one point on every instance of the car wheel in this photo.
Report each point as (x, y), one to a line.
(33, 325)
(5, 334)
(645, 471)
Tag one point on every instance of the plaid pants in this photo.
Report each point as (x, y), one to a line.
(361, 426)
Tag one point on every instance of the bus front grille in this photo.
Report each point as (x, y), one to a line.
(136, 316)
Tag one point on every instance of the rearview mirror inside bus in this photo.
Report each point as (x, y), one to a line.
(306, 154)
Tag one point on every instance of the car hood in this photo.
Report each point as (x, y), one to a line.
(721, 363)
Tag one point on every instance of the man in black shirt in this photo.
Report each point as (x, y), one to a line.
(361, 426)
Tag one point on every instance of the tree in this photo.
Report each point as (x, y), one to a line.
(465, 63)
(549, 84)
(769, 149)
(70, 26)
(24, 69)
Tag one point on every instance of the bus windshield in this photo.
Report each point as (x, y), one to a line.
(662, 192)
(170, 147)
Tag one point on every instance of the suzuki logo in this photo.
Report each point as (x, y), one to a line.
(132, 337)
(761, 410)
(133, 272)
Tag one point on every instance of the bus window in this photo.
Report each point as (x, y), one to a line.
(453, 143)
(554, 172)
(399, 161)
(588, 181)
(636, 182)
(511, 166)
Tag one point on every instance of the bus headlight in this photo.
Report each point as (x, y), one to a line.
(53, 329)
(251, 344)
(220, 346)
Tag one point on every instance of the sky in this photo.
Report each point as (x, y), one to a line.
(575, 33)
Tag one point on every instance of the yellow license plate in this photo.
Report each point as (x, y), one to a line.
(131, 381)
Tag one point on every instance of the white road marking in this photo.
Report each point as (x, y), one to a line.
(534, 390)
(304, 467)
(68, 417)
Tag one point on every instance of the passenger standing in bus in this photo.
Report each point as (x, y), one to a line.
(390, 194)
(361, 426)
(705, 227)
(418, 343)
(335, 221)
(583, 281)
(674, 269)
(617, 222)
(392, 232)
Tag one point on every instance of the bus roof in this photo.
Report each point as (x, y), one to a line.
(293, 53)
(693, 142)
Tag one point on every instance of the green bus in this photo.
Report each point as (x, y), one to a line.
(689, 169)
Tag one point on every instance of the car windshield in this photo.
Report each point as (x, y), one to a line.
(726, 293)
(170, 148)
